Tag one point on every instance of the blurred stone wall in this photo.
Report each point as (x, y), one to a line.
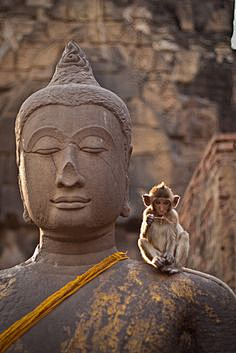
(169, 60)
(209, 210)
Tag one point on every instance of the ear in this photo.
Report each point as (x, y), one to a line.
(146, 200)
(176, 200)
(125, 211)
(26, 216)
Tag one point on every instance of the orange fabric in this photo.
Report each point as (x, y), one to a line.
(16, 330)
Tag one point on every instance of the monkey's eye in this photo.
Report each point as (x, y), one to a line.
(167, 202)
(157, 202)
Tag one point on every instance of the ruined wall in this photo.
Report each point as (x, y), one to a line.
(169, 60)
(209, 210)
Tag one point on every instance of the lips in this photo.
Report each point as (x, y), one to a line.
(70, 202)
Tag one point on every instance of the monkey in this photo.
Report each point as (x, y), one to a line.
(163, 242)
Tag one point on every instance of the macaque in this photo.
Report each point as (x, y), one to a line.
(162, 241)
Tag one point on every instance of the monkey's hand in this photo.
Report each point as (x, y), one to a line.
(150, 219)
(167, 220)
(169, 259)
(158, 261)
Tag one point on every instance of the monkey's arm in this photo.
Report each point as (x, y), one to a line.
(148, 218)
(147, 248)
(171, 242)
(182, 248)
(148, 251)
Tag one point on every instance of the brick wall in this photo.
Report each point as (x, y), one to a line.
(208, 210)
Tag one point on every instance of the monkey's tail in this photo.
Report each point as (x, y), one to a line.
(210, 277)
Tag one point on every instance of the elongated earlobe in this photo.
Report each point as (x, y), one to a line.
(26, 216)
(125, 212)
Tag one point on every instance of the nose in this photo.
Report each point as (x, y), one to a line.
(162, 207)
(68, 174)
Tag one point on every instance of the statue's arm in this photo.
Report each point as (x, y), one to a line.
(214, 317)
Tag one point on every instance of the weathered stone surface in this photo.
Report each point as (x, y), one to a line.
(219, 21)
(7, 143)
(43, 3)
(36, 56)
(210, 197)
(170, 61)
(142, 114)
(116, 82)
(155, 141)
(186, 65)
(10, 203)
(185, 16)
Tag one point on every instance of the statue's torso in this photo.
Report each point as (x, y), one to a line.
(128, 308)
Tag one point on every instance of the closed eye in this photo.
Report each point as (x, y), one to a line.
(93, 149)
(46, 151)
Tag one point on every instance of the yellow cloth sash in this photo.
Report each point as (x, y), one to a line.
(16, 330)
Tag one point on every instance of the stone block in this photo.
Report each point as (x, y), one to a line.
(106, 59)
(125, 83)
(145, 171)
(59, 11)
(129, 35)
(10, 202)
(11, 170)
(96, 32)
(219, 21)
(3, 162)
(8, 61)
(165, 45)
(148, 140)
(186, 66)
(112, 11)
(43, 74)
(143, 58)
(78, 10)
(65, 31)
(7, 79)
(16, 97)
(40, 3)
(7, 137)
(37, 55)
(142, 114)
(114, 32)
(184, 12)
(162, 95)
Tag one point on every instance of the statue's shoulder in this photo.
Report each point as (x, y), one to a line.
(209, 284)
(17, 273)
(189, 285)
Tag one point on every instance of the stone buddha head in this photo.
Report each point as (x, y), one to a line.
(73, 146)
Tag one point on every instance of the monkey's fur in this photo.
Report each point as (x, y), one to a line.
(163, 242)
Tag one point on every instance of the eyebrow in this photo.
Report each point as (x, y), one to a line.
(45, 131)
(91, 131)
(60, 136)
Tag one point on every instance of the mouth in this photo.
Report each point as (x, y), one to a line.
(70, 202)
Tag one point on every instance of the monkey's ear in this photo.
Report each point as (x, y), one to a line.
(176, 200)
(146, 200)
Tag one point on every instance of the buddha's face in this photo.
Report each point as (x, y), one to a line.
(72, 168)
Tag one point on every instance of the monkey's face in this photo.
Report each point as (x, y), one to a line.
(161, 206)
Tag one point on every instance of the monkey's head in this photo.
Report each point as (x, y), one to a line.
(161, 199)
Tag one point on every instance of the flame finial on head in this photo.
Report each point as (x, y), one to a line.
(73, 67)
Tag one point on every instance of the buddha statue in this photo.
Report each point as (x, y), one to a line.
(73, 141)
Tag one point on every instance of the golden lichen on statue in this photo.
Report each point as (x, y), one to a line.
(73, 141)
